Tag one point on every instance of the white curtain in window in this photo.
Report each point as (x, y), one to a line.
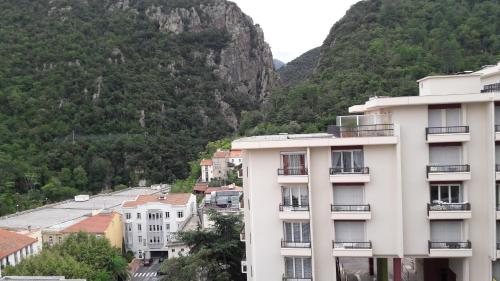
(445, 155)
(435, 118)
(306, 232)
(348, 195)
(349, 231)
(336, 159)
(298, 267)
(289, 271)
(347, 160)
(294, 161)
(446, 231)
(453, 117)
(287, 196)
(307, 268)
(358, 159)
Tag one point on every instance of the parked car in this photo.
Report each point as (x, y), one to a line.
(147, 262)
(160, 273)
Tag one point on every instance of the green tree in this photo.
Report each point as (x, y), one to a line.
(80, 178)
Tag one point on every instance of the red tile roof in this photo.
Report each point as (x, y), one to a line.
(96, 224)
(200, 187)
(206, 162)
(11, 242)
(172, 199)
(222, 188)
(221, 154)
(235, 153)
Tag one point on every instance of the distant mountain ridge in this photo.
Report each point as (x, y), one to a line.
(278, 64)
(299, 69)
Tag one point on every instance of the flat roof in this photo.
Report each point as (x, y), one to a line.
(59, 213)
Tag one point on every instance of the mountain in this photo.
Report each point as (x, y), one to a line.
(380, 48)
(278, 64)
(300, 69)
(96, 93)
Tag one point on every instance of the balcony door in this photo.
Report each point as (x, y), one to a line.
(293, 163)
(348, 161)
(445, 117)
(446, 231)
(297, 196)
(297, 232)
(348, 195)
(497, 114)
(445, 155)
(446, 193)
(349, 231)
(298, 268)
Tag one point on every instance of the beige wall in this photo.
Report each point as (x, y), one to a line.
(114, 232)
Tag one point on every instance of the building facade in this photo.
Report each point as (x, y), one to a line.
(152, 221)
(411, 177)
(14, 247)
(207, 170)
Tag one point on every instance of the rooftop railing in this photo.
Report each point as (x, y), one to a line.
(295, 244)
(448, 168)
(350, 208)
(447, 130)
(443, 207)
(293, 172)
(450, 245)
(294, 208)
(376, 130)
(352, 245)
(491, 88)
(352, 170)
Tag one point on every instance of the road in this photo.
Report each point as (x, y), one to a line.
(147, 273)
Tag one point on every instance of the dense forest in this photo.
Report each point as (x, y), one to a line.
(96, 94)
(380, 48)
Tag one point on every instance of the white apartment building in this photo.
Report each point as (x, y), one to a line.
(152, 221)
(411, 177)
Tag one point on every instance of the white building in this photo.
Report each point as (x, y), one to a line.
(207, 170)
(151, 222)
(14, 247)
(412, 177)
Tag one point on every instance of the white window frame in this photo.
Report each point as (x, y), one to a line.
(351, 151)
(449, 185)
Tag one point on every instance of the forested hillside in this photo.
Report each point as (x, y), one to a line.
(300, 69)
(381, 47)
(99, 93)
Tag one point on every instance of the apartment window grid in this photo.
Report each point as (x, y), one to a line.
(348, 161)
(180, 214)
(298, 268)
(167, 215)
(128, 216)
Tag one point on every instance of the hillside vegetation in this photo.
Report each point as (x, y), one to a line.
(380, 48)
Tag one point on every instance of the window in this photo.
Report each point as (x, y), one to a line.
(138, 215)
(349, 231)
(167, 226)
(445, 117)
(297, 232)
(293, 163)
(180, 214)
(347, 195)
(173, 250)
(297, 267)
(295, 196)
(445, 155)
(139, 227)
(129, 227)
(59, 239)
(140, 239)
(167, 215)
(446, 193)
(149, 216)
(348, 161)
(128, 216)
(446, 231)
(150, 228)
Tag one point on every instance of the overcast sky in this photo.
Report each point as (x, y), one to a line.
(293, 27)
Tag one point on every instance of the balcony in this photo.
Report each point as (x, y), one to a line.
(362, 131)
(450, 249)
(351, 212)
(292, 278)
(447, 134)
(294, 212)
(491, 88)
(448, 172)
(449, 211)
(293, 175)
(352, 249)
(349, 175)
(296, 248)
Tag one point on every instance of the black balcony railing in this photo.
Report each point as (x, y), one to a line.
(450, 245)
(297, 278)
(350, 208)
(376, 130)
(447, 130)
(448, 207)
(352, 245)
(351, 170)
(491, 88)
(294, 208)
(447, 168)
(295, 244)
(292, 172)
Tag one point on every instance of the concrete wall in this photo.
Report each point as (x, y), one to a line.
(451, 85)
(114, 233)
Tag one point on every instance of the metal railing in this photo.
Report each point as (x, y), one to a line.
(295, 278)
(448, 207)
(447, 130)
(447, 168)
(293, 172)
(350, 208)
(450, 245)
(294, 208)
(491, 88)
(352, 245)
(352, 170)
(295, 244)
(376, 130)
